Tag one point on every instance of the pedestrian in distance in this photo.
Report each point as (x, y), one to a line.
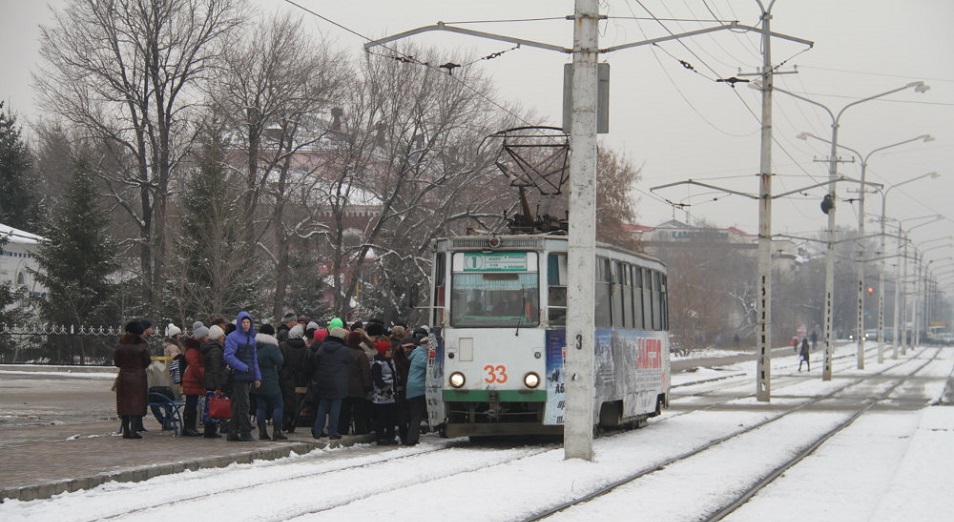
(414, 390)
(330, 379)
(214, 377)
(383, 395)
(131, 357)
(269, 395)
(814, 340)
(192, 379)
(803, 356)
(355, 408)
(242, 357)
(292, 374)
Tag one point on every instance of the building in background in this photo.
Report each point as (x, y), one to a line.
(18, 261)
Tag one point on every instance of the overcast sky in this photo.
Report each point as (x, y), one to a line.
(676, 123)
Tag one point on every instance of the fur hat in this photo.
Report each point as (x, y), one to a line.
(216, 333)
(354, 339)
(340, 333)
(200, 332)
(289, 317)
(135, 327)
(172, 330)
(382, 346)
(296, 332)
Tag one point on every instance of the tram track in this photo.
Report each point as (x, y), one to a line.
(741, 497)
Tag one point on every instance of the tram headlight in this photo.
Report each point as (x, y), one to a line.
(457, 379)
(531, 380)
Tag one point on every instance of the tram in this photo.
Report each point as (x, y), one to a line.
(499, 306)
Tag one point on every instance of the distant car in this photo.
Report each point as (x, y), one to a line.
(871, 335)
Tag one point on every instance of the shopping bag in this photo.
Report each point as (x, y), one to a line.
(220, 407)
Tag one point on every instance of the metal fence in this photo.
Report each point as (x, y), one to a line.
(58, 344)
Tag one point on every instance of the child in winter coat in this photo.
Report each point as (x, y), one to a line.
(384, 376)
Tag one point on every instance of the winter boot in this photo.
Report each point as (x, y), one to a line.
(277, 433)
(263, 434)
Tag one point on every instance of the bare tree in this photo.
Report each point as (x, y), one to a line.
(404, 169)
(275, 84)
(124, 72)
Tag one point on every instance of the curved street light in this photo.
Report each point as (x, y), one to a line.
(860, 320)
(832, 175)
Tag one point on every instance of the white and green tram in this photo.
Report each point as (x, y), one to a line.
(499, 309)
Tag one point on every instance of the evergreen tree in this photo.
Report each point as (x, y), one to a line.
(19, 200)
(214, 271)
(77, 259)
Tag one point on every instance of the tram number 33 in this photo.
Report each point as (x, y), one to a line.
(495, 374)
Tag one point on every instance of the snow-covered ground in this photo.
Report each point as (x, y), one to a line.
(895, 463)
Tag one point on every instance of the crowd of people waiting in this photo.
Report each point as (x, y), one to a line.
(336, 379)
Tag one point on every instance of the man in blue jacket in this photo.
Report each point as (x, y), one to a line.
(242, 358)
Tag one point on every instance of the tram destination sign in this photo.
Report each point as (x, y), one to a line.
(495, 262)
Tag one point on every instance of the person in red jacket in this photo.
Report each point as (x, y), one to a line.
(192, 380)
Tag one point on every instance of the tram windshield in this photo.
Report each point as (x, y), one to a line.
(505, 297)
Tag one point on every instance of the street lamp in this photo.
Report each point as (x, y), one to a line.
(832, 174)
(859, 323)
(894, 335)
(920, 276)
(904, 298)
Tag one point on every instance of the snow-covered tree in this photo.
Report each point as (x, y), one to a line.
(125, 73)
(77, 260)
(19, 196)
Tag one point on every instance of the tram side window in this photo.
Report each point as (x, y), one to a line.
(627, 296)
(637, 298)
(664, 296)
(439, 297)
(602, 315)
(647, 300)
(657, 302)
(616, 293)
(556, 289)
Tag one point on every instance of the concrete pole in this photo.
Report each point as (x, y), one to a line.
(581, 258)
(763, 390)
(884, 202)
(904, 300)
(830, 251)
(860, 324)
(896, 334)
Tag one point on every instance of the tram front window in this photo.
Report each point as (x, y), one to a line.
(494, 300)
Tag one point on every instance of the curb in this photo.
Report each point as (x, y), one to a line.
(67, 485)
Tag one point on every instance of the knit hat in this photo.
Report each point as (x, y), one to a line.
(312, 326)
(146, 324)
(135, 327)
(335, 323)
(172, 330)
(216, 333)
(382, 346)
(266, 329)
(340, 333)
(197, 324)
(320, 335)
(296, 332)
(200, 332)
(354, 339)
(289, 317)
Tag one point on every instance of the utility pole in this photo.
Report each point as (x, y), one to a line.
(763, 391)
(581, 259)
